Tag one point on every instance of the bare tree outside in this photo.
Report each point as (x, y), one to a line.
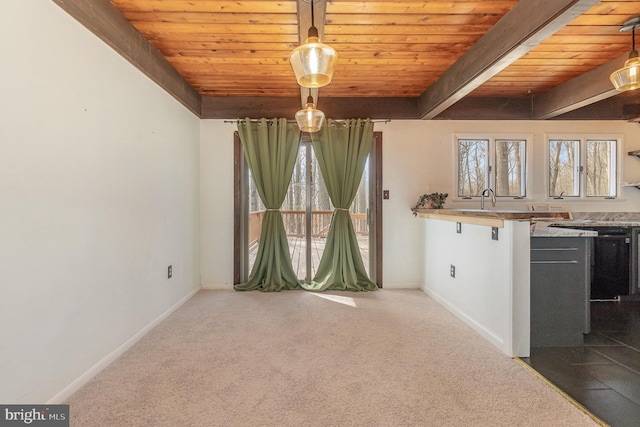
(510, 158)
(600, 157)
(361, 201)
(255, 203)
(472, 166)
(563, 168)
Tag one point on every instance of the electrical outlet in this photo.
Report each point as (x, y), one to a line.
(494, 233)
(458, 227)
(385, 194)
(452, 271)
(169, 272)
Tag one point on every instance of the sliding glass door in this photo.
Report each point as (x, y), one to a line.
(306, 212)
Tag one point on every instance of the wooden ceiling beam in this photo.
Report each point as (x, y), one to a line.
(585, 89)
(614, 108)
(227, 107)
(107, 23)
(239, 107)
(488, 108)
(525, 26)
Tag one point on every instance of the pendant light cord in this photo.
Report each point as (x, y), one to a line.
(634, 52)
(313, 31)
(312, 20)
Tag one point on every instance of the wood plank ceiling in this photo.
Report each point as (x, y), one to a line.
(397, 59)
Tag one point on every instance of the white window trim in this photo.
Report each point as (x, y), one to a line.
(583, 137)
(492, 137)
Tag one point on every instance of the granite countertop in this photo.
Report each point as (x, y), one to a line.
(545, 223)
(554, 229)
(598, 223)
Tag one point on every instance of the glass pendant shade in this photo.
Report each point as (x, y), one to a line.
(313, 63)
(627, 77)
(309, 118)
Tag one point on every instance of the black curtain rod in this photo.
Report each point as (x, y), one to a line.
(293, 121)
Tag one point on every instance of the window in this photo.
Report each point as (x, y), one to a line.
(473, 167)
(510, 173)
(497, 163)
(583, 167)
(563, 170)
(601, 165)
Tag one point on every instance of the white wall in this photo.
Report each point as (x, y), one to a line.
(216, 204)
(99, 193)
(418, 157)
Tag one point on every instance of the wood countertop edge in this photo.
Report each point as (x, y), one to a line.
(464, 219)
(504, 215)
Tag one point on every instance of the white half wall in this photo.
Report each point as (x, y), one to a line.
(490, 285)
(99, 194)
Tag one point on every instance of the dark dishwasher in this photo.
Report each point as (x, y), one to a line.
(610, 265)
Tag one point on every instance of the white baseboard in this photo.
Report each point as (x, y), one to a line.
(217, 287)
(487, 334)
(400, 285)
(75, 385)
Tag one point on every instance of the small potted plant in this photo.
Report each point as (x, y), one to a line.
(430, 201)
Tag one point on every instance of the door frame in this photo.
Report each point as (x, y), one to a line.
(240, 224)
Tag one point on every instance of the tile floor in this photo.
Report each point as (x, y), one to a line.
(604, 374)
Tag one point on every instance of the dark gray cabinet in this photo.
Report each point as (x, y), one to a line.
(560, 282)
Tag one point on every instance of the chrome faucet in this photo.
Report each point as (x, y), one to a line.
(487, 192)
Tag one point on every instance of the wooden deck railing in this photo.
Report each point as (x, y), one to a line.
(294, 223)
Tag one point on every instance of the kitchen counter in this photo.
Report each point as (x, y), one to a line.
(494, 214)
(490, 218)
(543, 223)
(485, 266)
(597, 223)
(558, 228)
(554, 229)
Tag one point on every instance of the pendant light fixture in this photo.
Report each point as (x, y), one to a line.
(313, 62)
(628, 77)
(309, 118)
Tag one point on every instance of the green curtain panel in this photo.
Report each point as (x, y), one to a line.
(342, 149)
(270, 148)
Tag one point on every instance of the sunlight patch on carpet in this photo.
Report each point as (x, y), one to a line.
(337, 298)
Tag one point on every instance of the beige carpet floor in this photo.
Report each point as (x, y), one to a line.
(388, 358)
